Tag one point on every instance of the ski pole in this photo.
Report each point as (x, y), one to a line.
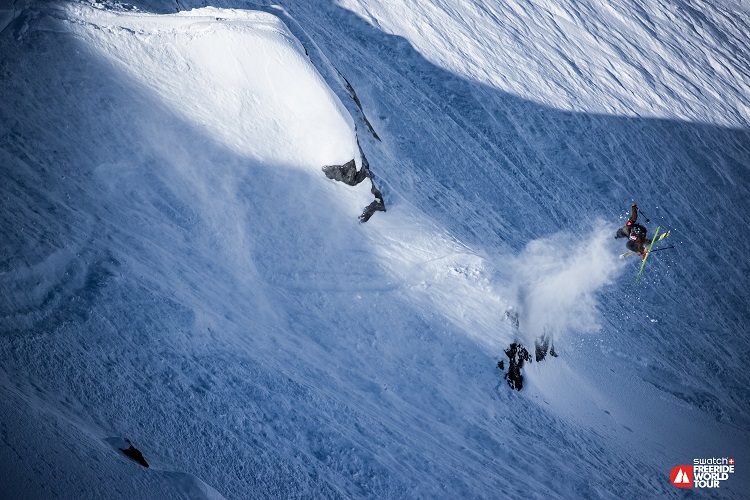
(661, 248)
(641, 212)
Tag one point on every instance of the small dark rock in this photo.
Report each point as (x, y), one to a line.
(543, 346)
(346, 173)
(375, 206)
(134, 454)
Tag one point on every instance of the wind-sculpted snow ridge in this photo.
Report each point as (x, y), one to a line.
(238, 73)
(648, 59)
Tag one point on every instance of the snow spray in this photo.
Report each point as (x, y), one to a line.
(556, 280)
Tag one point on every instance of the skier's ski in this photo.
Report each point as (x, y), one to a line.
(656, 234)
(661, 237)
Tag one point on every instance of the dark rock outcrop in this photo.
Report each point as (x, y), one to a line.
(354, 97)
(134, 454)
(378, 205)
(543, 346)
(517, 356)
(349, 175)
(346, 173)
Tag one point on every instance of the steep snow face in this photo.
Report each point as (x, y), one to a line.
(178, 271)
(682, 60)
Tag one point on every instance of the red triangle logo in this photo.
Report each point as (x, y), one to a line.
(682, 476)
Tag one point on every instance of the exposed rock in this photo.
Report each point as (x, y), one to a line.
(354, 97)
(375, 206)
(517, 356)
(543, 346)
(348, 174)
(134, 454)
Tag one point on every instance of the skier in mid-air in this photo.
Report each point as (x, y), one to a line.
(635, 233)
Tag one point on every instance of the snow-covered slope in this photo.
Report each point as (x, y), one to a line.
(642, 59)
(177, 270)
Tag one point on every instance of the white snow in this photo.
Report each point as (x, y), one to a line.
(176, 269)
(243, 78)
(682, 60)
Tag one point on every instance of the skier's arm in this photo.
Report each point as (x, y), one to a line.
(621, 233)
(633, 213)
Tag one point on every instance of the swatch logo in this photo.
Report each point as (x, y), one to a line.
(704, 473)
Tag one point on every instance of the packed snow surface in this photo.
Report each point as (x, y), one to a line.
(176, 269)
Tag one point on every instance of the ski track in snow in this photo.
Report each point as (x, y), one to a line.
(177, 270)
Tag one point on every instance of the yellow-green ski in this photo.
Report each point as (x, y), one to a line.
(647, 254)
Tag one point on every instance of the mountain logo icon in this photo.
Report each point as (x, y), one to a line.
(682, 476)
